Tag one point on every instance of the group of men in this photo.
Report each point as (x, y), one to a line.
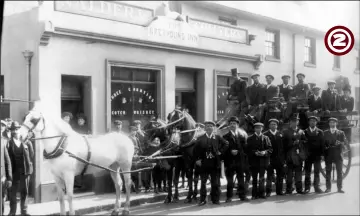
(263, 152)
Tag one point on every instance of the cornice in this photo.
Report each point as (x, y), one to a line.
(136, 42)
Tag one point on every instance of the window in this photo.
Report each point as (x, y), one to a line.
(310, 51)
(272, 44)
(336, 62)
(227, 21)
(2, 85)
(133, 94)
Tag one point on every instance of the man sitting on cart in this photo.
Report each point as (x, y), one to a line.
(254, 97)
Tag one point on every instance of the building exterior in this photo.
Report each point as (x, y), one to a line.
(132, 60)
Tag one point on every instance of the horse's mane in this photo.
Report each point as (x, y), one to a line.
(191, 123)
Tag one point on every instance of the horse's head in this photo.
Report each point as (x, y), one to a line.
(181, 120)
(33, 122)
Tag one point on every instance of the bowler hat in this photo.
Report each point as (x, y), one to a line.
(66, 114)
(331, 82)
(333, 119)
(313, 117)
(269, 75)
(234, 119)
(285, 76)
(300, 74)
(136, 122)
(210, 122)
(133, 128)
(117, 122)
(4, 122)
(295, 116)
(258, 124)
(274, 120)
(256, 74)
(14, 125)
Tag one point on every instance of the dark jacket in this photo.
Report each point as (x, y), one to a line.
(278, 154)
(331, 100)
(136, 142)
(5, 161)
(215, 145)
(255, 94)
(285, 92)
(301, 90)
(28, 155)
(333, 151)
(261, 143)
(235, 143)
(315, 142)
(315, 104)
(238, 89)
(289, 138)
(347, 103)
(271, 92)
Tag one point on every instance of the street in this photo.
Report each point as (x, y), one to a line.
(324, 204)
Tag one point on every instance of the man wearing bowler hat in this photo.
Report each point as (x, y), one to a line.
(285, 88)
(259, 150)
(235, 159)
(207, 152)
(315, 101)
(277, 158)
(315, 149)
(331, 98)
(334, 141)
(254, 97)
(238, 89)
(294, 140)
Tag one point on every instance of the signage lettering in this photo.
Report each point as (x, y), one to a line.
(218, 31)
(117, 11)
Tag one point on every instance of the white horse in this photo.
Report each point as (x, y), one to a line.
(113, 150)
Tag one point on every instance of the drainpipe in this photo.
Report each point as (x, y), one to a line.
(293, 58)
(28, 56)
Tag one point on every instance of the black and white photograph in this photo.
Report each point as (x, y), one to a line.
(180, 108)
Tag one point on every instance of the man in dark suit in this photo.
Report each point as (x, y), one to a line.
(255, 98)
(294, 140)
(315, 101)
(259, 150)
(334, 141)
(277, 158)
(346, 101)
(270, 91)
(331, 98)
(315, 149)
(285, 89)
(6, 170)
(235, 159)
(207, 152)
(300, 93)
(238, 88)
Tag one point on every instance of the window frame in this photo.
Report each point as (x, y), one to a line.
(276, 48)
(337, 63)
(311, 62)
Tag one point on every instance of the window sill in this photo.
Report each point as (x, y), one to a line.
(336, 69)
(310, 65)
(272, 59)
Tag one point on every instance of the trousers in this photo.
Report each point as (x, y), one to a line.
(291, 169)
(328, 168)
(279, 177)
(309, 162)
(157, 175)
(21, 185)
(215, 184)
(258, 181)
(229, 173)
(146, 179)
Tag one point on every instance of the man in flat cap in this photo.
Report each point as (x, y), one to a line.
(300, 93)
(331, 98)
(118, 126)
(315, 101)
(315, 149)
(207, 154)
(235, 159)
(259, 150)
(238, 89)
(270, 91)
(255, 97)
(285, 88)
(335, 140)
(277, 158)
(294, 140)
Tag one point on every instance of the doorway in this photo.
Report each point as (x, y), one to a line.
(186, 90)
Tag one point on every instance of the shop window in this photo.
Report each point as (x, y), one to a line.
(133, 95)
(223, 88)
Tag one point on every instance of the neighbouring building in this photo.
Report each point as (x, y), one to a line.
(132, 60)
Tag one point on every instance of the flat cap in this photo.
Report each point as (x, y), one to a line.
(331, 82)
(316, 88)
(300, 74)
(295, 116)
(117, 122)
(256, 74)
(313, 117)
(284, 76)
(332, 119)
(258, 124)
(137, 122)
(234, 119)
(269, 75)
(210, 122)
(133, 128)
(4, 122)
(274, 120)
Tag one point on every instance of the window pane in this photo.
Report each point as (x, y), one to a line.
(121, 103)
(144, 75)
(121, 73)
(222, 94)
(222, 81)
(2, 85)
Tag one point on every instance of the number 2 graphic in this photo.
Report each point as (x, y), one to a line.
(339, 40)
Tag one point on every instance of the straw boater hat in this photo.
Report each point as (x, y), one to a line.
(14, 125)
(313, 117)
(300, 74)
(118, 122)
(269, 75)
(333, 119)
(274, 120)
(234, 119)
(256, 74)
(284, 76)
(258, 124)
(210, 123)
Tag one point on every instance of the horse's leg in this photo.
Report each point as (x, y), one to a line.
(169, 174)
(190, 173)
(176, 183)
(196, 181)
(118, 186)
(127, 178)
(69, 185)
(61, 189)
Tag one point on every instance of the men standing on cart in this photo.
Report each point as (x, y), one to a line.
(235, 159)
(254, 97)
(334, 141)
(315, 101)
(238, 91)
(271, 91)
(331, 98)
(285, 89)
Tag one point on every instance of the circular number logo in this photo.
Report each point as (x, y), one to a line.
(339, 40)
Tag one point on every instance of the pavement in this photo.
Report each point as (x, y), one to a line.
(103, 204)
(355, 149)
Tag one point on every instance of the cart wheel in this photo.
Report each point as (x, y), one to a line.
(346, 164)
